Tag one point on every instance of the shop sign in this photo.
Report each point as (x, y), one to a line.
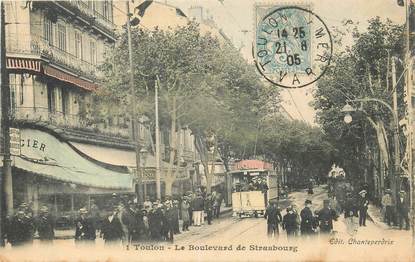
(14, 141)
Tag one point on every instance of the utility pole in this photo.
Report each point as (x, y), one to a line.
(4, 82)
(134, 123)
(158, 184)
(408, 87)
(5, 117)
(395, 181)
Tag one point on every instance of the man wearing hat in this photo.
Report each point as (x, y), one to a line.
(388, 206)
(84, 231)
(307, 219)
(273, 217)
(402, 204)
(363, 205)
(45, 226)
(290, 223)
(350, 214)
(326, 217)
(111, 230)
(20, 230)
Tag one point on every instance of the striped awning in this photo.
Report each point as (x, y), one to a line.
(23, 63)
(56, 73)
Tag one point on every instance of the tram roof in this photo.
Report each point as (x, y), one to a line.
(249, 171)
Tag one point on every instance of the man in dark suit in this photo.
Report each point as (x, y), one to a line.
(273, 217)
(307, 220)
(290, 223)
(402, 205)
(111, 229)
(45, 226)
(326, 217)
(85, 230)
(20, 229)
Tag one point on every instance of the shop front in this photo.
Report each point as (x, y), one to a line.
(126, 158)
(48, 171)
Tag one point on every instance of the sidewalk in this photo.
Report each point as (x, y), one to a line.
(375, 215)
(70, 233)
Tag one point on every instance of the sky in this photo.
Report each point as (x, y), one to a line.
(236, 19)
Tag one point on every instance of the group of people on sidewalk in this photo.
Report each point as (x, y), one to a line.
(396, 212)
(124, 221)
(304, 224)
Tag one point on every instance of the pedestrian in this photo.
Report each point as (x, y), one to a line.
(176, 209)
(290, 223)
(45, 226)
(402, 205)
(84, 231)
(326, 217)
(111, 230)
(147, 203)
(310, 188)
(146, 229)
(209, 208)
(297, 216)
(185, 214)
(28, 216)
(307, 220)
(351, 214)
(170, 220)
(198, 206)
(387, 205)
(191, 203)
(273, 217)
(94, 214)
(19, 230)
(363, 206)
(218, 203)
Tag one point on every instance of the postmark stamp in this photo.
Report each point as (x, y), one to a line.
(292, 47)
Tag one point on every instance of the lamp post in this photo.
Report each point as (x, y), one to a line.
(134, 134)
(143, 158)
(348, 109)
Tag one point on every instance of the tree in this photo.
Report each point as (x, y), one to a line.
(359, 71)
(201, 81)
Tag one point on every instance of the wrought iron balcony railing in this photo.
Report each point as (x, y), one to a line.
(65, 120)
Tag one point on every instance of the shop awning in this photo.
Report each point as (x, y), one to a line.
(43, 154)
(50, 71)
(116, 157)
(23, 63)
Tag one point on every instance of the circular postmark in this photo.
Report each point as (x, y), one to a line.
(293, 46)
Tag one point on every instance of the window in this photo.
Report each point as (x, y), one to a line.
(65, 101)
(93, 52)
(48, 31)
(105, 9)
(12, 81)
(62, 37)
(51, 99)
(78, 44)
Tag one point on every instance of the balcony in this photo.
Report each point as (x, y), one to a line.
(85, 11)
(42, 115)
(41, 48)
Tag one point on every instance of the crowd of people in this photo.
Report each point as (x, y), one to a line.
(124, 221)
(304, 223)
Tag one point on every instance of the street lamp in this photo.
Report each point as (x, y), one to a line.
(348, 109)
(348, 117)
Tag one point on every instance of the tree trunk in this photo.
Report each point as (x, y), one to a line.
(170, 176)
(169, 185)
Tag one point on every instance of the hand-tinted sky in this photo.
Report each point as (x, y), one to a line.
(236, 19)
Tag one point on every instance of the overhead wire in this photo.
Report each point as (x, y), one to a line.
(296, 106)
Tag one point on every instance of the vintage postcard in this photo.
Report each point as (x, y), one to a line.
(207, 130)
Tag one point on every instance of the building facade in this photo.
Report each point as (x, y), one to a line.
(71, 150)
